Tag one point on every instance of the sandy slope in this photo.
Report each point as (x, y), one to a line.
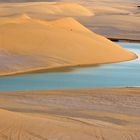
(125, 15)
(114, 19)
(115, 26)
(44, 8)
(28, 44)
(117, 19)
(95, 114)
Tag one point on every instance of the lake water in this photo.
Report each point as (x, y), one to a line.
(122, 74)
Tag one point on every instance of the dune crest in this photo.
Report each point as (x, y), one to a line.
(24, 17)
(68, 24)
(44, 8)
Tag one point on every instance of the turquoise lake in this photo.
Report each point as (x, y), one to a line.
(124, 74)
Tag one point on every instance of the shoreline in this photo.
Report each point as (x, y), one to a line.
(123, 40)
(60, 91)
(58, 68)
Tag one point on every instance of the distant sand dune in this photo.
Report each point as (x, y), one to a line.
(51, 8)
(125, 14)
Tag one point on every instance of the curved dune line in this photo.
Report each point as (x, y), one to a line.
(28, 44)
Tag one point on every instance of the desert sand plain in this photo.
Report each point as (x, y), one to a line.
(85, 114)
(50, 35)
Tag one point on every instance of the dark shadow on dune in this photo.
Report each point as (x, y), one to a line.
(61, 69)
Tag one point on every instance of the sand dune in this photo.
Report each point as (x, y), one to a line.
(117, 19)
(27, 44)
(107, 12)
(115, 26)
(114, 19)
(44, 8)
(95, 114)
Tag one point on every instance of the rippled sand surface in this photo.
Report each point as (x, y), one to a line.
(106, 114)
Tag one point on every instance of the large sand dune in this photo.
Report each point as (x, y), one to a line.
(86, 114)
(29, 44)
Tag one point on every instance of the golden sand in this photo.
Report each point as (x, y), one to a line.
(28, 44)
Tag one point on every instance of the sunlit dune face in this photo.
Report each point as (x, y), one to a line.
(58, 42)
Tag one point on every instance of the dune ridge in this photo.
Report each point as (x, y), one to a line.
(28, 44)
(44, 8)
(124, 13)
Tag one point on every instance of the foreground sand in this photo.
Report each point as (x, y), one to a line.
(28, 43)
(85, 114)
